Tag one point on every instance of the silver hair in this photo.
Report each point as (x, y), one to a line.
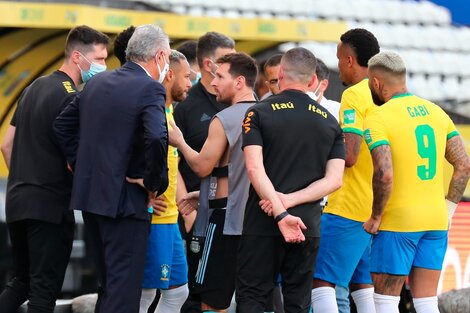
(388, 61)
(145, 43)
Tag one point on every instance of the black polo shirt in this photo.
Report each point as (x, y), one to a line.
(298, 137)
(193, 116)
(39, 184)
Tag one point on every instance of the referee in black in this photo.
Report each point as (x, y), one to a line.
(39, 185)
(294, 153)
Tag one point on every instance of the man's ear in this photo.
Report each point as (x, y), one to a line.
(170, 75)
(376, 83)
(75, 56)
(313, 81)
(350, 60)
(323, 85)
(207, 65)
(280, 74)
(240, 81)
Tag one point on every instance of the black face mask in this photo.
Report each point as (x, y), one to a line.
(376, 99)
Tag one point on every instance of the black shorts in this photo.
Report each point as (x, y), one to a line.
(215, 276)
(261, 259)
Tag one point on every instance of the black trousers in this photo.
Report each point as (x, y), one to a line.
(119, 247)
(261, 259)
(41, 252)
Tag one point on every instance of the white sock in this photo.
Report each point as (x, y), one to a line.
(324, 300)
(386, 304)
(426, 305)
(146, 299)
(364, 300)
(172, 299)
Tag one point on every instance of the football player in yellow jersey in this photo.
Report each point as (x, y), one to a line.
(409, 138)
(343, 256)
(165, 263)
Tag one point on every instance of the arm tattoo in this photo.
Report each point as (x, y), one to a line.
(353, 143)
(458, 157)
(382, 180)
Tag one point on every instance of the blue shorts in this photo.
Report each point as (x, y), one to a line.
(165, 262)
(344, 253)
(397, 252)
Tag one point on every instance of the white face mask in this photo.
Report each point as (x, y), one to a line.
(216, 67)
(314, 95)
(162, 73)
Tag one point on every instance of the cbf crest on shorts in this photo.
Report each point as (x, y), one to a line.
(165, 272)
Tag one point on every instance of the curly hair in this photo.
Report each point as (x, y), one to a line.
(363, 43)
(120, 43)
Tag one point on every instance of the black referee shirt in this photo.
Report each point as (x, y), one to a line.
(193, 116)
(39, 184)
(298, 137)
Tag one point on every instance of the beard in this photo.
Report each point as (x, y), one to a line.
(225, 98)
(178, 94)
(376, 99)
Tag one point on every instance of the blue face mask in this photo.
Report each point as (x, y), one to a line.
(95, 68)
(198, 77)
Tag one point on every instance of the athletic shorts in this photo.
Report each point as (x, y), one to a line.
(165, 262)
(397, 252)
(215, 276)
(344, 253)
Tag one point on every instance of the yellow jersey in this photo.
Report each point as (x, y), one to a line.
(354, 199)
(170, 216)
(417, 132)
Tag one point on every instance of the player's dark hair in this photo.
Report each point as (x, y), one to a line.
(120, 43)
(82, 38)
(241, 64)
(363, 43)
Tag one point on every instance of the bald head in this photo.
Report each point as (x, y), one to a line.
(298, 65)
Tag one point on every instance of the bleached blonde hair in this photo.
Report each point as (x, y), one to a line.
(388, 61)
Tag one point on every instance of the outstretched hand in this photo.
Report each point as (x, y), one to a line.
(291, 229)
(188, 203)
(175, 136)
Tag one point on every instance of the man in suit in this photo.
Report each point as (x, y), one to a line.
(115, 138)
(39, 185)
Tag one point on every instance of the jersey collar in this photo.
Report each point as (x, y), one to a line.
(401, 95)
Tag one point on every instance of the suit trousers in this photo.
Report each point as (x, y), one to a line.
(119, 246)
(41, 252)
